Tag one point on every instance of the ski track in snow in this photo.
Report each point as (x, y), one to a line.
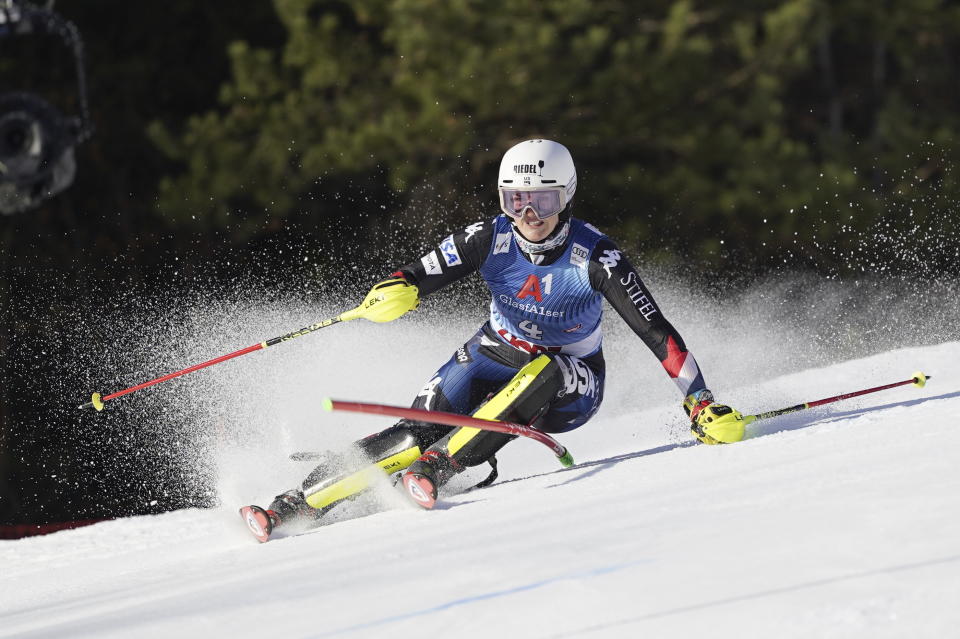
(841, 521)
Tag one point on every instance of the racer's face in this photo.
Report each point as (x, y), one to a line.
(533, 228)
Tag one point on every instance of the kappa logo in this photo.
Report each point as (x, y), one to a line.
(569, 377)
(502, 245)
(431, 264)
(430, 391)
(609, 259)
(486, 341)
(472, 230)
(449, 250)
(579, 255)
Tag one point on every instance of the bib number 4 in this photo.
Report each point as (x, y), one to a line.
(530, 329)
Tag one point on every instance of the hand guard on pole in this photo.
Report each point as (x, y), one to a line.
(713, 423)
(390, 299)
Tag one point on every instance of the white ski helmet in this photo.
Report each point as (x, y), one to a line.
(538, 165)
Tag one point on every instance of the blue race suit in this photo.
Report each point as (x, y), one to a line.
(544, 304)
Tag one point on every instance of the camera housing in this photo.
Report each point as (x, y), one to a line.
(36, 141)
(36, 151)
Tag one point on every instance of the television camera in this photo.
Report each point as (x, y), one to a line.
(36, 140)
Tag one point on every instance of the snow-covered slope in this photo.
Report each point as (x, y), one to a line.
(842, 521)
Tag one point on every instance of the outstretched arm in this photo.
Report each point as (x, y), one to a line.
(612, 274)
(458, 255)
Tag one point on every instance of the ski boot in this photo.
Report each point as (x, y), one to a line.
(284, 509)
(259, 521)
(424, 476)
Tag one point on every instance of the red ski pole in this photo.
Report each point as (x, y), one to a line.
(97, 400)
(376, 307)
(919, 380)
(455, 419)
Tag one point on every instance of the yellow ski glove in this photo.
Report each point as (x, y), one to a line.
(390, 299)
(713, 423)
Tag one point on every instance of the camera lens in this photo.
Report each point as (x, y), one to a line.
(21, 145)
(36, 152)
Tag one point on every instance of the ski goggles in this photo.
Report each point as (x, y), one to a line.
(543, 202)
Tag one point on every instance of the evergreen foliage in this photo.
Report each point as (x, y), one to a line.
(736, 133)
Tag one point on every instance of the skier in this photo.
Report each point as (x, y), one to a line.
(537, 359)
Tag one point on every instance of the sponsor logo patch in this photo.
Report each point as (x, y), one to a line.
(609, 259)
(486, 341)
(531, 288)
(529, 307)
(392, 465)
(569, 377)
(430, 391)
(502, 245)
(528, 168)
(471, 230)
(524, 345)
(430, 263)
(577, 377)
(254, 524)
(416, 491)
(463, 355)
(639, 297)
(449, 249)
(579, 255)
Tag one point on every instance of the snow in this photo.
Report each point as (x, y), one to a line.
(840, 521)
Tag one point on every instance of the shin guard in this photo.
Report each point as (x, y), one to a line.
(525, 398)
(341, 477)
